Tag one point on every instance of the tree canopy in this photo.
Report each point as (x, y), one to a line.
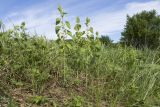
(142, 30)
(105, 39)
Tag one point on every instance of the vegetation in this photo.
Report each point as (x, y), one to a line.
(142, 30)
(82, 72)
(105, 40)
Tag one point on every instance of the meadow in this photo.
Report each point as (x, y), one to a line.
(80, 72)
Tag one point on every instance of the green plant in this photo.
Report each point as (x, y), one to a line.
(38, 79)
(104, 76)
(38, 100)
(77, 101)
(84, 45)
(11, 103)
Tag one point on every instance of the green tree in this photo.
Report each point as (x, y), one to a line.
(105, 39)
(142, 30)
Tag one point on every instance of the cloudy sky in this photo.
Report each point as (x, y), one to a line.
(107, 16)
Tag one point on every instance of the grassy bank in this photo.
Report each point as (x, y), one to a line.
(81, 72)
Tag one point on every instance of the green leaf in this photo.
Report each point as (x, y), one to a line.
(1, 24)
(23, 24)
(57, 29)
(69, 33)
(79, 34)
(58, 20)
(87, 21)
(68, 24)
(60, 9)
(69, 46)
(65, 13)
(83, 32)
(77, 20)
(91, 29)
(77, 27)
(97, 33)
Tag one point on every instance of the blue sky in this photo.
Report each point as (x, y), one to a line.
(107, 16)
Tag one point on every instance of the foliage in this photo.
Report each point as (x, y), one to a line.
(77, 102)
(105, 40)
(142, 30)
(99, 76)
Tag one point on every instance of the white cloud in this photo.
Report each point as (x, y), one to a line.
(113, 22)
(39, 19)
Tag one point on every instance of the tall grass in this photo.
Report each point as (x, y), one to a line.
(84, 72)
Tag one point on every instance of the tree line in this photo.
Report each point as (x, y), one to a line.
(141, 30)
